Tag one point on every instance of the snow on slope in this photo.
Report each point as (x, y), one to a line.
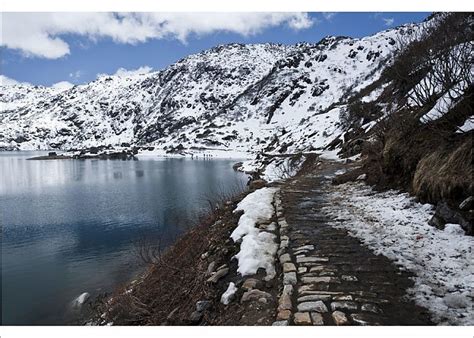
(244, 98)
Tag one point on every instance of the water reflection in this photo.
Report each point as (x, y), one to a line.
(69, 226)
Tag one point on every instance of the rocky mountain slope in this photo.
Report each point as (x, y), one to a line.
(249, 98)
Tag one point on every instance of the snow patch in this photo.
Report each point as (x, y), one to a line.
(395, 225)
(258, 248)
(228, 295)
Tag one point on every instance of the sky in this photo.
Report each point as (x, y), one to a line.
(51, 48)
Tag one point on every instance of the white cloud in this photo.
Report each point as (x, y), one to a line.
(6, 81)
(42, 34)
(129, 72)
(75, 75)
(328, 15)
(62, 85)
(388, 21)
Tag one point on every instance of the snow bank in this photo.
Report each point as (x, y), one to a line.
(396, 226)
(258, 248)
(228, 295)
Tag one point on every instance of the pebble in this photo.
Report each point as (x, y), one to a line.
(254, 294)
(218, 275)
(289, 267)
(283, 315)
(312, 298)
(202, 305)
(284, 303)
(339, 318)
(285, 258)
(348, 278)
(302, 318)
(317, 306)
(289, 278)
(371, 308)
(314, 280)
(251, 283)
(302, 259)
(317, 318)
(280, 323)
(352, 306)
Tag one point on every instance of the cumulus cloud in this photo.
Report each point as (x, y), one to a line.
(129, 72)
(42, 34)
(6, 81)
(388, 21)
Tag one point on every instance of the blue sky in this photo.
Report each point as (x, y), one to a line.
(76, 50)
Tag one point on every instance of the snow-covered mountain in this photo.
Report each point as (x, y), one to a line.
(264, 97)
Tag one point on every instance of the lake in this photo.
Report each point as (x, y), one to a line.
(71, 226)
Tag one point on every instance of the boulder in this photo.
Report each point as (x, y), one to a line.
(445, 214)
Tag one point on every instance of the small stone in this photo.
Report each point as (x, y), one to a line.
(205, 255)
(343, 297)
(289, 267)
(302, 318)
(314, 280)
(287, 290)
(203, 305)
(218, 275)
(289, 278)
(317, 318)
(280, 323)
(364, 319)
(283, 315)
(263, 300)
(301, 259)
(284, 244)
(285, 258)
(284, 303)
(312, 298)
(251, 283)
(304, 247)
(254, 294)
(317, 306)
(351, 306)
(371, 308)
(348, 278)
(302, 269)
(317, 268)
(195, 317)
(339, 318)
(210, 268)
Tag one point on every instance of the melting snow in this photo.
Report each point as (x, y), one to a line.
(258, 248)
(395, 225)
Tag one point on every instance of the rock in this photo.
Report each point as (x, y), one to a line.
(237, 166)
(444, 214)
(195, 317)
(302, 318)
(317, 318)
(361, 177)
(304, 247)
(364, 319)
(210, 268)
(285, 258)
(251, 283)
(280, 323)
(289, 278)
(218, 275)
(289, 267)
(284, 303)
(287, 290)
(312, 298)
(80, 300)
(344, 305)
(203, 305)
(339, 318)
(317, 306)
(371, 308)
(467, 204)
(302, 269)
(343, 297)
(348, 278)
(315, 280)
(283, 315)
(311, 259)
(254, 294)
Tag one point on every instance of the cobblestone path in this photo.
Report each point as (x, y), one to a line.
(329, 277)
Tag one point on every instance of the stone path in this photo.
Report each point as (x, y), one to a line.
(330, 278)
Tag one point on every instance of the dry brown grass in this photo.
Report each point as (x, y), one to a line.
(445, 174)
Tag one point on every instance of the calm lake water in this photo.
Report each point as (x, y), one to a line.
(70, 226)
